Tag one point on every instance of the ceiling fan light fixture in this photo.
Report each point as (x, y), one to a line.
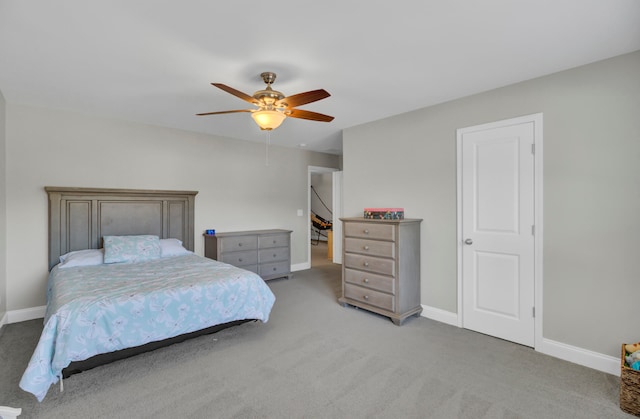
(268, 120)
(273, 106)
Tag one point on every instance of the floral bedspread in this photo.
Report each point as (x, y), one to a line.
(99, 309)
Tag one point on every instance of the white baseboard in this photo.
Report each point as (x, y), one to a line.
(440, 315)
(300, 266)
(4, 320)
(580, 356)
(16, 316)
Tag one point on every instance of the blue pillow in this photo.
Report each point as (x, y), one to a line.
(118, 249)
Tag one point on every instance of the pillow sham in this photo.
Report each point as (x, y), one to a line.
(119, 249)
(172, 247)
(88, 257)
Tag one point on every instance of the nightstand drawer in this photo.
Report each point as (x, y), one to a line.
(371, 264)
(370, 247)
(274, 255)
(240, 258)
(370, 297)
(370, 231)
(231, 244)
(276, 240)
(369, 280)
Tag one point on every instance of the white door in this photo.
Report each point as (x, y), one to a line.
(497, 230)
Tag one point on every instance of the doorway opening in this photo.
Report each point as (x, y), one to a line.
(321, 217)
(321, 210)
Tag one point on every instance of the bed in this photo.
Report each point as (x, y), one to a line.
(124, 279)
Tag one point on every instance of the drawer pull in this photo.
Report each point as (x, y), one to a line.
(366, 280)
(239, 244)
(366, 297)
(274, 242)
(366, 264)
(365, 231)
(366, 248)
(274, 255)
(275, 269)
(240, 260)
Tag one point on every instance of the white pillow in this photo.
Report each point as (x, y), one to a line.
(89, 257)
(172, 247)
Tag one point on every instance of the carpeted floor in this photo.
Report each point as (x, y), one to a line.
(316, 359)
(319, 254)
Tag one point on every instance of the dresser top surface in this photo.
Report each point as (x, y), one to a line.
(248, 233)
(381, 221)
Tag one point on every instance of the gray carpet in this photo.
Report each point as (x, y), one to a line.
(316, 359)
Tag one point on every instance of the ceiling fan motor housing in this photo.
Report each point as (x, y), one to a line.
(268, 96)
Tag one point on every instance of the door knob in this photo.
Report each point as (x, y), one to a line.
(468, 241)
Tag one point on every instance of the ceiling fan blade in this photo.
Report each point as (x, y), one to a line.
(221, 112)
(313, 116)
(236, 93)
(303, 98)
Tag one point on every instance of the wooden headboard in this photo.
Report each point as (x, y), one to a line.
(80, 217)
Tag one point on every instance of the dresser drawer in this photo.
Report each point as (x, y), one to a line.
(274, 240)
(274, 269)
(370, 231)
(274, 255)
(370, 247)
(371, 264)
(230, 244)
(369, 280)
(252, 268)
(249, 257)
(368, 296)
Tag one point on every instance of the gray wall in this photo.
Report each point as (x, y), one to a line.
(237, 191)
(591, 192)
(3, 212)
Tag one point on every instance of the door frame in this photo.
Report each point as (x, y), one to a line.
(537, 120)
(338, 210)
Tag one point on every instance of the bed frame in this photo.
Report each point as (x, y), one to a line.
(80, 217)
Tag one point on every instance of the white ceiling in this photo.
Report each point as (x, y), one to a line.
(153, 61)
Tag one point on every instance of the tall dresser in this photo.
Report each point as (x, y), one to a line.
(265, 252)
(381, 266)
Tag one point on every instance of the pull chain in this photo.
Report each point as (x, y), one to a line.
(268, 143)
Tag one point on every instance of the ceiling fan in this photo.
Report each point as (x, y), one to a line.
(273, 106)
